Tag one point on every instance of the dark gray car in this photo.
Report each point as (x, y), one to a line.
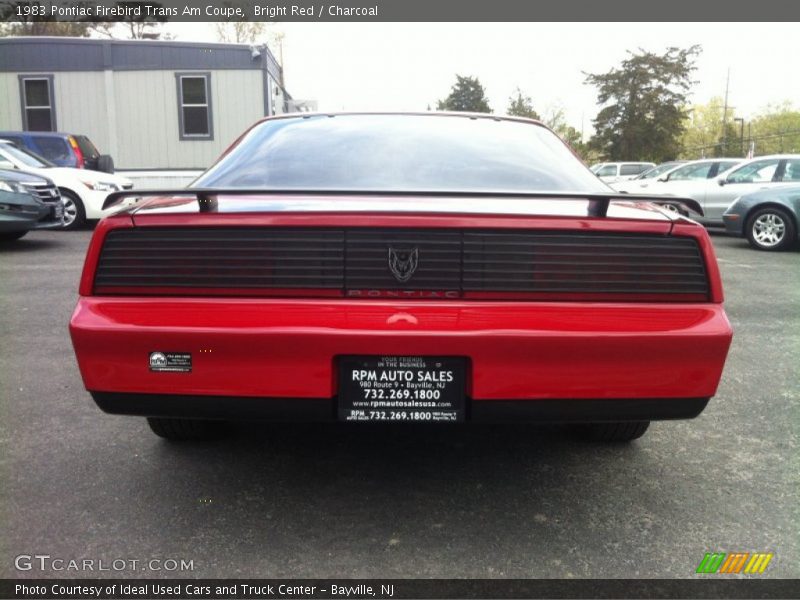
(768, 219)
(27, 202)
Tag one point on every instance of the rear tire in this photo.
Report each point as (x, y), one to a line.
(10, 236)
(74, 212)
(615, 433)
(183, 429)
(771, 228)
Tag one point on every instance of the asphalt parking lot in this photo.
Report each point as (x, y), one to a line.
(322, 501)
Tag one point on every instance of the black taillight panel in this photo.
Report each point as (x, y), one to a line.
(454, 260)
(582, 263)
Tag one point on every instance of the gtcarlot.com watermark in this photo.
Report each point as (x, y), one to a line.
(46, 562)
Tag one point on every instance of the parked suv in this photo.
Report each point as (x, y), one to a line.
(62, 149)
(620, 171)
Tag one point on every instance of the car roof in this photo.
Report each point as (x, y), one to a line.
(747, 161)
(38, 133)
(700, 161)
(768, 156)
(625, 162)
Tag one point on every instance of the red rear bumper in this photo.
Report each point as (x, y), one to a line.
(523, 352)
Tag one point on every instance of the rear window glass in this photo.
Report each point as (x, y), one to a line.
(13, 139)
(401, 153)
(53, 148)
(632, 169)
(87, 147)
(607, 171)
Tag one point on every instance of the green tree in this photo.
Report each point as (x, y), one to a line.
(555, 118)
(467, 95)
(776, 130)
(570, 135)
(642, 115)
(520, 105)
(706, 136)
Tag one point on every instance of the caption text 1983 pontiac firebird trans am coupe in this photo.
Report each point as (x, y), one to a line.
(425, 267)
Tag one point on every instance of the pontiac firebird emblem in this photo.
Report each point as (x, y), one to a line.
(403, 263)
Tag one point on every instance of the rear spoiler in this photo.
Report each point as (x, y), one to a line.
(598, 203)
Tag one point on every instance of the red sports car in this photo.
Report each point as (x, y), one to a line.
(425, 267)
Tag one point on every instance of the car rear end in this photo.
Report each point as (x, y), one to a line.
(469, 306)
(264, 315)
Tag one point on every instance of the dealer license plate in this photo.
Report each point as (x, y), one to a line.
(401, 388)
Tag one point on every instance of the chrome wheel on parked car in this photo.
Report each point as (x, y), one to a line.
(770, 229)
(74, 214)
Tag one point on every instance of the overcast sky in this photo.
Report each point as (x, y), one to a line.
(408, 66)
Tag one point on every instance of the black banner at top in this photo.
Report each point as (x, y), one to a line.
(399, 10)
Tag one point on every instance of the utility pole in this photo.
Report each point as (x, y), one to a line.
(741, 132)
(725, 114)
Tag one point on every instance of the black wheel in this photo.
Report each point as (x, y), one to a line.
(771, 228)
(617, 432)
(105, 164)
(74, 213)
(183, 429)
(10, 236)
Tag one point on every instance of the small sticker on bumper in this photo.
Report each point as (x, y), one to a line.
(171, 362)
